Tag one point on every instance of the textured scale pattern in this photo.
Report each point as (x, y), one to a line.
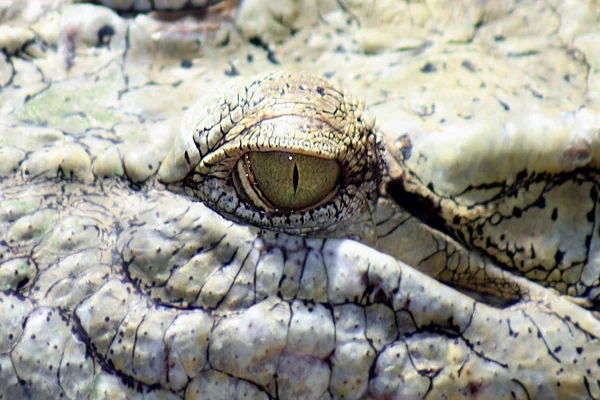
(117, 282)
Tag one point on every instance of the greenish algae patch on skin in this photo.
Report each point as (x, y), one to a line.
(77, 104)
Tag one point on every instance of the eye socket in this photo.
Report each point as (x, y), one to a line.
(233, 153)
(284, 182)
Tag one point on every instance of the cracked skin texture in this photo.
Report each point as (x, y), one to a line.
(116, 282)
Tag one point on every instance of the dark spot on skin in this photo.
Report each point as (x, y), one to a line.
(186, 64)
(504, 105)
(22, 283)
(594, 193)
(558, 349)
(232, 71)
(499, 38)
(340, 49)
(224, 43)
(558, 257)
(590, 216)
(428, 68)
(554, 215)
(105, 34)
(405, 146)
(579, 350)
(540, 202)
(250, 58)
(474, 388)
(258, 42)
(320, 90)
(106, 319)
(70, 46)
(468, 65)
(588, 241)
(536, 94)
(522, 175)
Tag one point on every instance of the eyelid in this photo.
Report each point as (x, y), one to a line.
(294, 113)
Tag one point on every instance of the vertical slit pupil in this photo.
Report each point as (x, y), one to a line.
(295, 178)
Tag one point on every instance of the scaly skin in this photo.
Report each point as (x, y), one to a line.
(118, 285)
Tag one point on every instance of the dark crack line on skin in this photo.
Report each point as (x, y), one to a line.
(233, 281)
(566, 322)
(462, 365)
(303, 267)
(127, 39)
(470, 321)
(523, 182)
(91, 351)
(517, 250)
(169, 351)
(13, 71)
(595, 197)
(518, 382)
(287, 338)
(540, 335)
(450, 333)
(557, 180)
(176, 268)
(69, 277)
(393, 229)
(258, 387)
(135, 340)
(224, 264)
(586, 383)
(421, 373)
(577, 326)
(58, 369)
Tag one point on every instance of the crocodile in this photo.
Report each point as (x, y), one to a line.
(299, 200)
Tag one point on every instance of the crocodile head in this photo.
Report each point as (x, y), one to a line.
(430, 239)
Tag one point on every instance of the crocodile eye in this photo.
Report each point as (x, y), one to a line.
(283, 151)
(278, 181)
